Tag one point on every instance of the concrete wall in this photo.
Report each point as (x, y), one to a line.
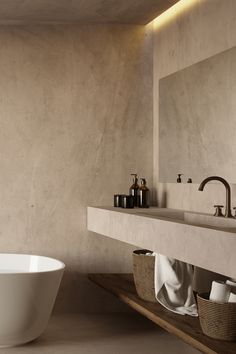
(197, 108)
(75, 121)
(192, 31)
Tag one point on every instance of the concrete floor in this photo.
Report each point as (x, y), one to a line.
(103, 334)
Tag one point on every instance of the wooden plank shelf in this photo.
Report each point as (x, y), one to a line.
(185, 327)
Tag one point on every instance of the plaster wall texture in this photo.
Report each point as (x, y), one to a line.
(75, 121)
(195, 31)
(197, 120)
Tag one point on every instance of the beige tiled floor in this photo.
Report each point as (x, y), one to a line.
(103, 334)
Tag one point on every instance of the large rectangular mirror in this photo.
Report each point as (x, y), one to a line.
(197, 120)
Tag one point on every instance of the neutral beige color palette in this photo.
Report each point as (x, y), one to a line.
(76, 119)
(81, 11)
(73, 102)
(197, 120)
(197, 30)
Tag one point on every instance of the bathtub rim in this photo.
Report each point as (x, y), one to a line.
(61, 265)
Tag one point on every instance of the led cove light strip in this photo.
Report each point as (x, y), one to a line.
(174, 11)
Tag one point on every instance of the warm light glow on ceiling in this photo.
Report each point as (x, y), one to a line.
(174, 11)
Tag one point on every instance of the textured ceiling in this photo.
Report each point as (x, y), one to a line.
(82, 11)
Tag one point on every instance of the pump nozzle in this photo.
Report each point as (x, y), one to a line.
(179, 177)
(135, 179)
(143, 181)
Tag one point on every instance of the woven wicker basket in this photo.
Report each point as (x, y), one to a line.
(217, 320)
(143, 269)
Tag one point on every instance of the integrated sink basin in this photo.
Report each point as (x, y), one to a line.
(210, 220)
(162, 213)
(191, 218)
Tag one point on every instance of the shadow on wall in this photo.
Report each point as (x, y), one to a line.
(162, 201)
(85, 297)
(203, 279)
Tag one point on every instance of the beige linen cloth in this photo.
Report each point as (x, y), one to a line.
(173, 285)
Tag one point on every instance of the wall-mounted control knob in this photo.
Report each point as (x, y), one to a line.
(218, 211)
(179, 180)
(234, 212)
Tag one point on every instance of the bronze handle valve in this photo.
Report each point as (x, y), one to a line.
(218, 211)
(235, 212)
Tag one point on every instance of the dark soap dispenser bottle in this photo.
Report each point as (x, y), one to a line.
(179, 180)
(134, 189)
(143, 194)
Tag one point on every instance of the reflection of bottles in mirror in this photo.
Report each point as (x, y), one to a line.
(179, 177)
(143, 194)
(134, 189)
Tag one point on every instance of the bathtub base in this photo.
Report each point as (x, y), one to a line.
(28, 286)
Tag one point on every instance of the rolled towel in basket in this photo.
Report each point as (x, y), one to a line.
(219, 291)
(173, 285)
(232, 297)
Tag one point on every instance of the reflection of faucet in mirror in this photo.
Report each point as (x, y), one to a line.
(228, 213)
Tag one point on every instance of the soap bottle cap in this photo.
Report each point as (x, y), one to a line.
(135, 180)
(179, 177)
(143, 184)
(143, 181)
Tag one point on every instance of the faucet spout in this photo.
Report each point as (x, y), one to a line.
(228, 213)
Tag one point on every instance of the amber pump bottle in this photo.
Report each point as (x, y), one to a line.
(144, 194)
(134, 189)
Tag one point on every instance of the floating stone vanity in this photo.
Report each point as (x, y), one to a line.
(170, 232)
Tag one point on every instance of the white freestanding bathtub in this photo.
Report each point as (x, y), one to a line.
(28, 289)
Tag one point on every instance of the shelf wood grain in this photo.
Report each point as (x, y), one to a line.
(185, 327)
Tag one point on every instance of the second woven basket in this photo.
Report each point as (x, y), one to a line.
(217, 320)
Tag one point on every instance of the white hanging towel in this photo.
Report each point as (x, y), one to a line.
(173, 285)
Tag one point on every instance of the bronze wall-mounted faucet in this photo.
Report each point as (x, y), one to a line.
(228, 213)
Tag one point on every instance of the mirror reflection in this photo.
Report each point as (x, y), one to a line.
(197, 121)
